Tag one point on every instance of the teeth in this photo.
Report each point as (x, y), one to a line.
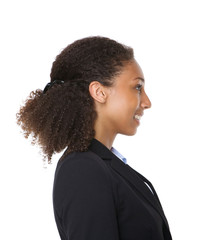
(137, 117)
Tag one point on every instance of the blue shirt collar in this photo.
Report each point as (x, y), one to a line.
(119, 155)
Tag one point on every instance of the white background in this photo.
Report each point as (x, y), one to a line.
(169, 41)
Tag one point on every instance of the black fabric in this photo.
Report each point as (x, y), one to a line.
(98, 197)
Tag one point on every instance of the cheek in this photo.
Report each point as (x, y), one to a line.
(123, 104)
(114, 109)
(124, 107)
(130, 103)
(115, 103)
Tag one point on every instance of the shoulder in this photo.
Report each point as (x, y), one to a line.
(86, 159)
(80, 174)
(82, 165)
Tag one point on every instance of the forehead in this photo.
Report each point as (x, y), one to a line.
(133, 68)
(131, 73)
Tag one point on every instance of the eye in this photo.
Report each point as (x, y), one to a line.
(139, 87)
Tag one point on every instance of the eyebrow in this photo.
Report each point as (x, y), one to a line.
(140, 79)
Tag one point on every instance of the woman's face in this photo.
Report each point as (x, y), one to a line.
(126, 101)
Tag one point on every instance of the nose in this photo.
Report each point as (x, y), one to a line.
(145, 102)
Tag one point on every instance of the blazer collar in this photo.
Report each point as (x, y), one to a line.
(128, 173)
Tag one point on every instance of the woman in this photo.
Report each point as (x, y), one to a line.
(96, 92)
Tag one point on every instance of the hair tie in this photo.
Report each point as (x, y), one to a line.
(50, 84)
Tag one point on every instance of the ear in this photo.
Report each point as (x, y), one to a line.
(97, 91)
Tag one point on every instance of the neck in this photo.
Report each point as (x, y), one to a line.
(104, 132)
(106, 140)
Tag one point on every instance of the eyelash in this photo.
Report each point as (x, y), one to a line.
(139, 86)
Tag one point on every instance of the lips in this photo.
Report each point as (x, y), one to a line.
(138, 116)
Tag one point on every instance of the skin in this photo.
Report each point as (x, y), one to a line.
(116, 106)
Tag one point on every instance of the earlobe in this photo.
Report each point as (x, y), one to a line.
(97, 91)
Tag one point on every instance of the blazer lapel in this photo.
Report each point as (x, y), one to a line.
(130, 174)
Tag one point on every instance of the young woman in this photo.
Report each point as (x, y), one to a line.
(96, 92)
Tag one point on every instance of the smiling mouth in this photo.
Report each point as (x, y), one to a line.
(138, 117)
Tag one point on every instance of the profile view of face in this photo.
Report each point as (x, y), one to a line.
(126, 101)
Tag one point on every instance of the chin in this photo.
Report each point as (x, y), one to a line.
(129, 133)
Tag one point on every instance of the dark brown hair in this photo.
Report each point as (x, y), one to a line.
(64, 116)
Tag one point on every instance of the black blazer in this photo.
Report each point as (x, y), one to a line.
(96, 196)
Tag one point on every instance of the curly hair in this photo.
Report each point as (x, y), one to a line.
(64, 116)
